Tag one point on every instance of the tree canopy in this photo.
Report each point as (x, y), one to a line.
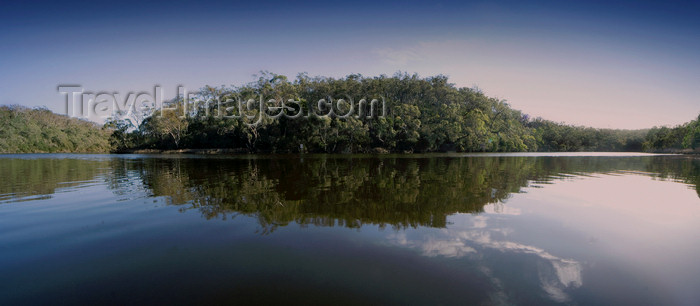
(399, 113)
(25, 130)
(419, 115)
(685, 136)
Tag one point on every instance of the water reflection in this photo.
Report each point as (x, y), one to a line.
(397, 192)
(328, 191)
(464, 229)
(556, 275)
(38, 178)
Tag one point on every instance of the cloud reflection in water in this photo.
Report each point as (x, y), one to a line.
(556, 274)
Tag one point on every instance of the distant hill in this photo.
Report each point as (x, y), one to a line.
(25, 130)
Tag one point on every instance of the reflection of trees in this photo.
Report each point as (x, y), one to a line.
(25, 178)
(352, 191)
(334, 191)
(330, 190)
(682, 169)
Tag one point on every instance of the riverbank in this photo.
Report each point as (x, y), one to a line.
(375, 151)
(186, 151)
(696, 151)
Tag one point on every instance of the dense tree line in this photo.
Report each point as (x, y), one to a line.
(24, 130)
(418, 115)
(557, 137)
(421, 115)
(683, 137)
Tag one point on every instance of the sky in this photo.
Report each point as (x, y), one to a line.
(605, 64)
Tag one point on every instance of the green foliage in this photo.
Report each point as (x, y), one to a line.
(664, 139)
(555, 137)
(422, 115)
(39, 130)
(691, 140)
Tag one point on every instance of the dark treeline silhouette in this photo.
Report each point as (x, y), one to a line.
(421, 115)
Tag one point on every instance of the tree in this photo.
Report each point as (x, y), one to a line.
(170, 123)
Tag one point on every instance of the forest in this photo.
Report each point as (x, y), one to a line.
(25, 130)
(420, 115)
(411, 114)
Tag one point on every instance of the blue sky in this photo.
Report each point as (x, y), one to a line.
(631, 64)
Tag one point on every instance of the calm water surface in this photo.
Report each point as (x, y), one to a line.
(411, 229)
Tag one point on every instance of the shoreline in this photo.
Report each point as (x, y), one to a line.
(376, 151)
(373, 152)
